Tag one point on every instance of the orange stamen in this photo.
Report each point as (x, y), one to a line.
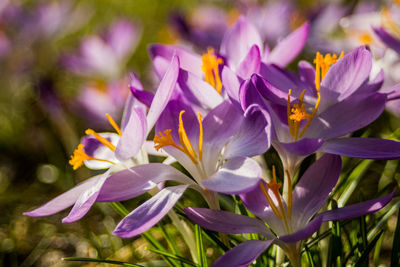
(101, 139)
(210, 68)
(113, 124)
(80, 156)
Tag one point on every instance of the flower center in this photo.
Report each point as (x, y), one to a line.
(186, 147)
(210, 68)
(277, 206)
(297, 112)
(365, 38)
(388, 22)
(80, 155)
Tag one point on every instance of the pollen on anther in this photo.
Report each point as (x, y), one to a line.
(163, 140)
(79, 157)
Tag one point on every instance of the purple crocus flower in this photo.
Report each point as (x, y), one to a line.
(206, 80)
(312, 113)
(289, 222)
(116, 152)
(215, 150)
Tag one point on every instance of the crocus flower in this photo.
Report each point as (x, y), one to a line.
(312, 113)
(215, 150)
(288, 222)
(116, 152)
(209, 79)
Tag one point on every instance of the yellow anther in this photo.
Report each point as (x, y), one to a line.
(80, 156)
(185, 142)
(200, 136)
(210, 68)
(296, 114)
(101, 139)
(279, 209)
(322, 65)
(186, 147)
(113, 124)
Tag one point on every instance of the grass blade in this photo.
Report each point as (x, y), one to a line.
(173, 256)
(101, 261)
(200, 249)
(363, 260)
(394, 261)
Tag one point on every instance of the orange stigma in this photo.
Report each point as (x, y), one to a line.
(186, 147)
(80, 156)
(210, 68)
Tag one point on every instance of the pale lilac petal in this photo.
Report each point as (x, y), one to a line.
(143, 96)
(347, 116)
(86, 200)
(161, 56)
(388, 39)
(96, 149)
(374, 85)
(250, 64)
(238, 41)
(253, 137)
(269, 91)
(231, 84)
(123, 38)
(304, 147)
(249, 95)
(304, 233)
(346, 76)
(64, 200)
(314, 187)
(133, 136)
(243, 254)
(150, 212)
(137, 180)
(163, 93)
(365, 148)
(198, 91)
(227, 222)
(255, 201)
(307, 72)
(237, 175)
(356, 210)
(288, 49)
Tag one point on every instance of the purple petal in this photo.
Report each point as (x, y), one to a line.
(150, 212)
(255, 201)
(243, 254)
(288, 49)
(123, 37)
(374, 85)
(249, 95)
(304, 147)
(163, 93)
(346, 76)
(278, 78)
(314, 187)
(270, 92)
(86, 200)
(237, 175)
(250, 64)
(143, 96)
(198, 91)
(64, 200)
(253, 137)
(227, 222)
(231, 84)
(133, 136)
(356, 210)
(307, 72)
(335, 121)
(304, 233)
(365, 148)
(137, 180)
(388, 39)
(238, 41)
(162, 55)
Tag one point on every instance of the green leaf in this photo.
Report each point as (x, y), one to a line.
(394, 261)
(363, 260)
(173, 256)
(171, 241)
(309, 256)
(200, 249)
(150, 238)
(335, 256)
(119, 208)
(101, 261)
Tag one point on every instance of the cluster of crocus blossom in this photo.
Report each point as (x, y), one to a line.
(213, 114)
